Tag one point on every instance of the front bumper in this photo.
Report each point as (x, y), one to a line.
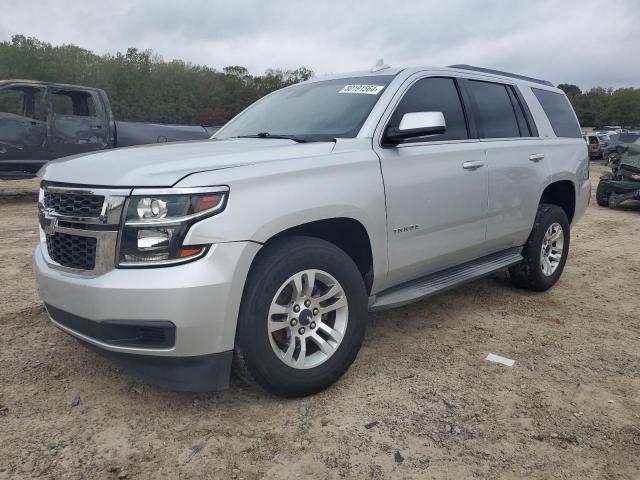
(201, 299)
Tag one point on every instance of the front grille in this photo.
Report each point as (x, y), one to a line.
(72, 251)
(74, 204)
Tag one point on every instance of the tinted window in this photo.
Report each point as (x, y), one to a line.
(559, 111)
(434, 95)
(494, 110)
(593, 140)
(526, 125)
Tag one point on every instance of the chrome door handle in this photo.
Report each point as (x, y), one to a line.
(536, 157)
(472, 165)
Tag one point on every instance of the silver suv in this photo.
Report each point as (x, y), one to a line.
(267, 245)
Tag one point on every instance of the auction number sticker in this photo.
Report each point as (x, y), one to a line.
(367, 89)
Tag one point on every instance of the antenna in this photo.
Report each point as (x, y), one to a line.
(380, 65)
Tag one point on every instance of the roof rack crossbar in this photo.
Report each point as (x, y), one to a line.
(504, 74)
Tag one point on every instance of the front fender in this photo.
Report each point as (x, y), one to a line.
(265, 200)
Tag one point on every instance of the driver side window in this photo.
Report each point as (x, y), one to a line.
(22, 101)
(436, 94)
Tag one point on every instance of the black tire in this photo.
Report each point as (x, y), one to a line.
(255, 360)
(602, 195)
(528, 274)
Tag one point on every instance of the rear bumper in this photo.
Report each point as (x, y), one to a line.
(620, 186)
(582, 200)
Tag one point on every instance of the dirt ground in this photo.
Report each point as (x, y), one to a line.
(419, 402)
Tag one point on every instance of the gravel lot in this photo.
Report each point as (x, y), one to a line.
(419, 402)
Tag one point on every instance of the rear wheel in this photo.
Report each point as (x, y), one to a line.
(302, 319)
(545, 252)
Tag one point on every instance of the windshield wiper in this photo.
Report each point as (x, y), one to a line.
(295, 138)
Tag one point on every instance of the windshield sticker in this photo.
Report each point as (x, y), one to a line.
(367, 89)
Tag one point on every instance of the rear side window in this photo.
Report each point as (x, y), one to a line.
(494, 110)
(559, 112)
(435, 94)
(79, 104)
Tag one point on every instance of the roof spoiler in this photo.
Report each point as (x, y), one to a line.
(504, 74)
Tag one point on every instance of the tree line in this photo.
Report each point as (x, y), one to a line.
(605, 106)
(142, 86)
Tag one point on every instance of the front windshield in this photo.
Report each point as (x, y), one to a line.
(315, 111)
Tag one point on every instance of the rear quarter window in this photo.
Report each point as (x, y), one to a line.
(559, 112)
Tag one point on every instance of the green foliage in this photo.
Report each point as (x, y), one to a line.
(605, 106)
(141, 85)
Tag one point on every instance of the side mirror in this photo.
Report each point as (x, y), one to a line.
(415, 125)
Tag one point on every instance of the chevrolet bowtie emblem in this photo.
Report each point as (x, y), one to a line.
(50, 227)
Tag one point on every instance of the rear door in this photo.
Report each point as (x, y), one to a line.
(22, 128)
(79, 123)
(516, 159)
(436, 199)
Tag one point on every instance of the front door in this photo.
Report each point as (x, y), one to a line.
(436, 187)
(22, 129)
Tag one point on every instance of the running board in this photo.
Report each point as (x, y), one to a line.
(452, 277)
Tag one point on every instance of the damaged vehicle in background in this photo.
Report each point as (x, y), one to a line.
(609, 151)
(623, 183)
(41, 121)
(595, 145)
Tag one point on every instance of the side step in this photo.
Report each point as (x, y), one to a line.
(452, 277)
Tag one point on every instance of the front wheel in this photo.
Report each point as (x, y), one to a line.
(302, 319)
(545, 252)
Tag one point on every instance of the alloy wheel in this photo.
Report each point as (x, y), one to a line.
(307, 319)
(551, 251)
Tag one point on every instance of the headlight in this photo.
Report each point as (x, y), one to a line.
(157, 221)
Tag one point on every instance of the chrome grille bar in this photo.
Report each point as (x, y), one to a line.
(103, 227)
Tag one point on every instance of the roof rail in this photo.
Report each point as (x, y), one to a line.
(504, 74)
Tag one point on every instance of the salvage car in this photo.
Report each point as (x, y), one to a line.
(595, 144)
(40, 121)
(266, 246)
(609, 151)
(623, 182)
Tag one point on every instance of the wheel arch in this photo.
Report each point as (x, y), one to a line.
(563, 194)
(346, 233)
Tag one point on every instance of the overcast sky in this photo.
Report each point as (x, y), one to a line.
(584, 42)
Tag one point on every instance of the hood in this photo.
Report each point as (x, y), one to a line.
(163, 165)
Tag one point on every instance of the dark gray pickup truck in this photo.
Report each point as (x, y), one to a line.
(40, 121)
